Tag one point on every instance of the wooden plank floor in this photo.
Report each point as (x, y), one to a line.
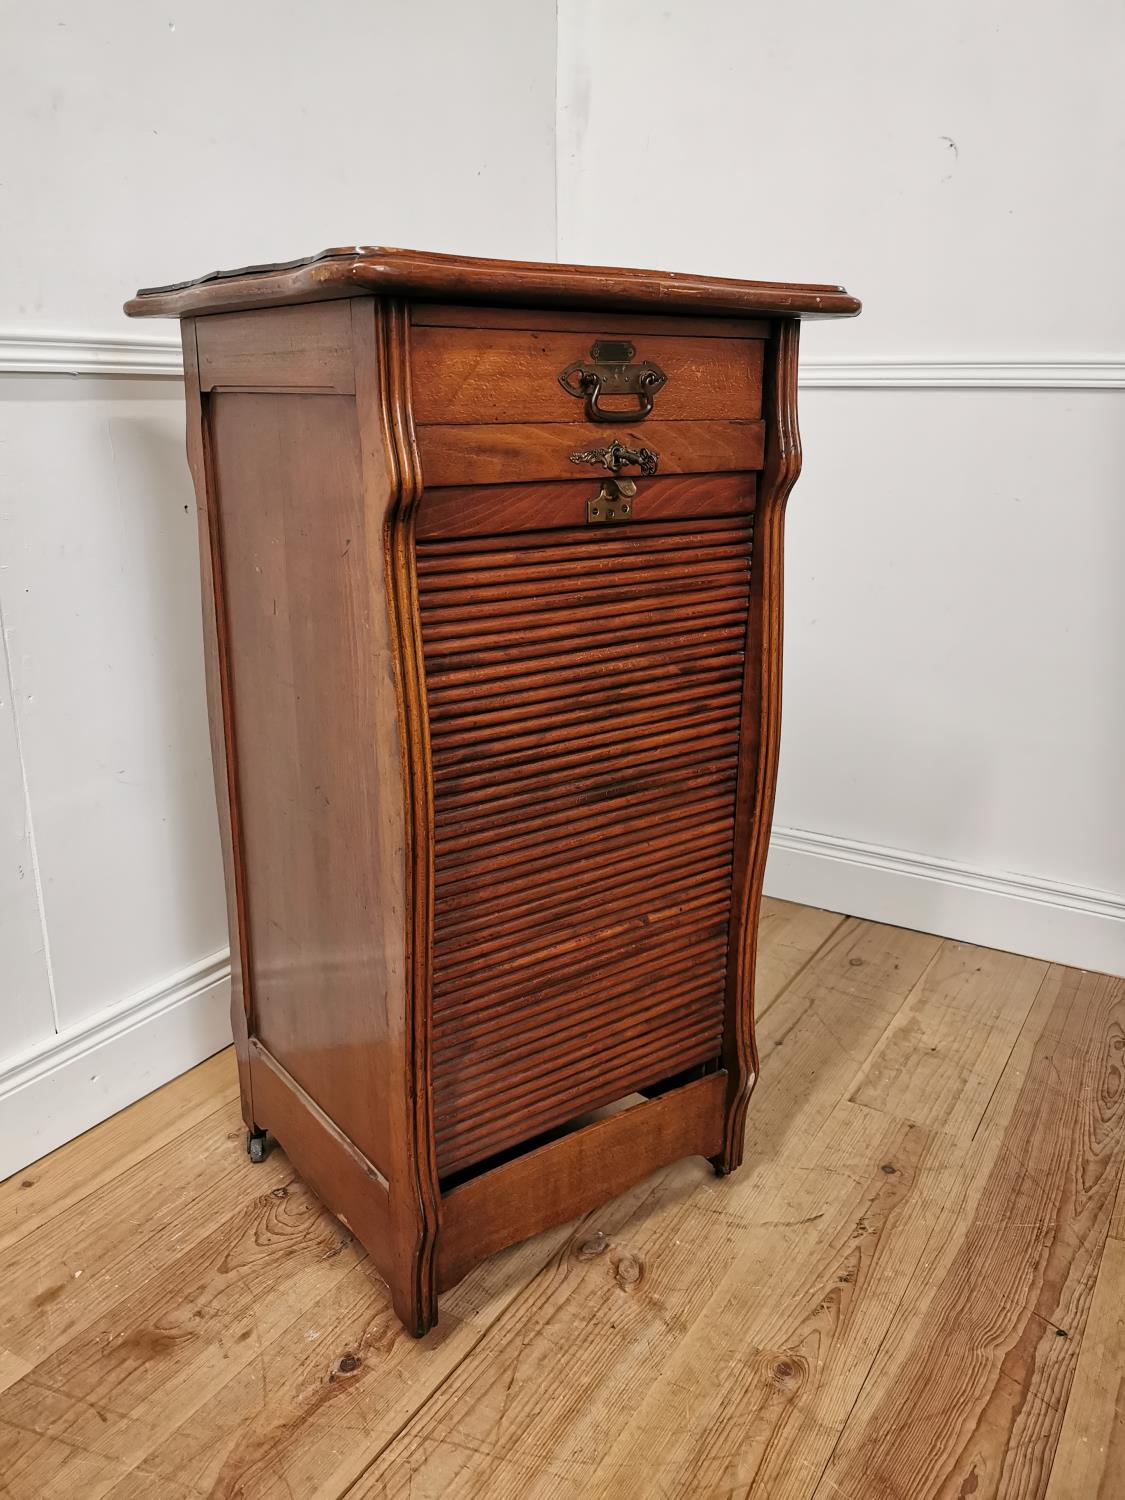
(915, 1287)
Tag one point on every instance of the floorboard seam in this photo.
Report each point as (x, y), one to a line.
(813, 956)
(430, 1395)
(1003, 1073)
(105, 1182)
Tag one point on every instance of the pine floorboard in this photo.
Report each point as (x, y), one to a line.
(913, 1288)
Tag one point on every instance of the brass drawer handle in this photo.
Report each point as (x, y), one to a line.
(611, 373)
(616, 456)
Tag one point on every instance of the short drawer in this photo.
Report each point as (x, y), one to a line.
(496, 376)
(514, 452)
(491, 510)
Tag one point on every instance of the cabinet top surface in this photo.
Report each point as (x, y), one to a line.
(424, 276)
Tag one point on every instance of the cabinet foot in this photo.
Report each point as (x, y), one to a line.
(257, 1144)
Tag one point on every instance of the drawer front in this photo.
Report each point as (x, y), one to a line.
(504, 453)
(490, 375)
(484, 510)
(584, 687)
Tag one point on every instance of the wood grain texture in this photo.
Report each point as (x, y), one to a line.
(938, 1061)
(1089, 1462)
(318, 881)
(67, 1275)
(770, 1374)
(86, 1165)
(491, 510)
(59, 1427)
(292, 348)
(537, 1021)
(788, 937)
(648, 1268)
(504, 453)
(569, 1176)
(507, 375)
(969, 1391)
(609, 324)
(867, 1287)
(422, 275)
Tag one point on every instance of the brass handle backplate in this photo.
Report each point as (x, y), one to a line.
(615, 457)
(610, 372)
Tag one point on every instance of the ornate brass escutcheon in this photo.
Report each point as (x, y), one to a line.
(610, 372)
(615, 457)
(613, 502)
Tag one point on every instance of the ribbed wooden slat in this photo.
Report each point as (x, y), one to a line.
(587, 656)
(720, 741)
(705, 850)
(514, 1025)
(667, 574)
(490, 1136)
(484, 931)
(609, 729)
(584, 692)
(546, 869)
(474, 1101)
(626, 630)
(560, 573)
(529, 853)
(542, 828)
(646, 702)
(465, 631)
(641, 535)
(607, 803)
(529, 966)
(534, 693)
(590, 963)
(468, 1014)
(532, 600)
(593, 869)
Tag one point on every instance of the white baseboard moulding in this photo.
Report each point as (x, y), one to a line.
(1020, 913)
(72, 353)
(73, 1080)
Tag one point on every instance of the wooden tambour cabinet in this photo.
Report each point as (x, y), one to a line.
(492, 597)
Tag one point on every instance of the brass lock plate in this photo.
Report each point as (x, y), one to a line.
(612, 503)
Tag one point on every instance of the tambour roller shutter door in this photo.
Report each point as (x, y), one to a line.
(584, 688)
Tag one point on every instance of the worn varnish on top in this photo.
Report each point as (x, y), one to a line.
(492, 567)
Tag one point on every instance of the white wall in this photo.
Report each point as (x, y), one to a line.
(955, 651)
(954, 707)
(140, 145)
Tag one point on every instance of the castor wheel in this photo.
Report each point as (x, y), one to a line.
(257, 1144)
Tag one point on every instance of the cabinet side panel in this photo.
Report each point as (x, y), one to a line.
(311, 695)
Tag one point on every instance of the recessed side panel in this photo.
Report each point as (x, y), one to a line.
(319, 786)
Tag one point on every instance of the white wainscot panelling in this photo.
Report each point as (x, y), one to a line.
(53, 1091)
(955, 649)
(26, 1015)
(100, 596)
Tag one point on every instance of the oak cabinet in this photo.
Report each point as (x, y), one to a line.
(492, 601)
